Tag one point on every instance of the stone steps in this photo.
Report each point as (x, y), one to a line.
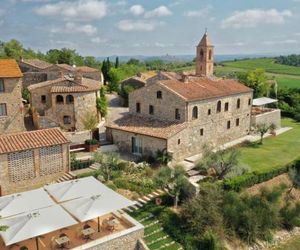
(66, 177)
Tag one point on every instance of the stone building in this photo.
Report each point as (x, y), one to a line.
(11, 107)
(64, 102)
(30, 159)
(35, 71)
(182, 115)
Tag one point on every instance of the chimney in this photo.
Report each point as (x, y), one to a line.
(185, 78)
(78, 78)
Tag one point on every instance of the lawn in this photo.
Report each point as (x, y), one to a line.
(275, 152)
(293, 244)
(155, 236)
(265, 63)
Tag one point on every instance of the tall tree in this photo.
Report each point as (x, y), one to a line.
(117, 62)
(102, 103)
(13, 49)
(173, 179)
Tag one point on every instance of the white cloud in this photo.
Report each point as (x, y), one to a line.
(139, 25)
(274, 42)
(198, 13)
(82, 10)
(137, 10)
(254, 17)
(158, 12)
(73, 28)
(163, 45)
(99, 40)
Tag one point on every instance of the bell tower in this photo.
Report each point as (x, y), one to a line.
(205, 57)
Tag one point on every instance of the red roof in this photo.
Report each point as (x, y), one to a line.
(147, 126)
(200, 88)
(9, 69)
(31, 139)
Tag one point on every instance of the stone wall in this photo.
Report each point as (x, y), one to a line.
(271, 117)
(7, 186)
(126, 240)
(123, 141)
(30, 78)
(12, 97)
(78, 137)
(164, 108)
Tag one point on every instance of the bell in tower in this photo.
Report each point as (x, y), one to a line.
(205, 57)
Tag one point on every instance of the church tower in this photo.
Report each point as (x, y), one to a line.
(205, 57)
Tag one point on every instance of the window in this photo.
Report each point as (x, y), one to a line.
(138, 107)
(219, 106)
(159, 95)
(201, 54)
(69, 99)
(210, 54)
(136, 146)
(228, 125)
(3, 109)
(201, 131)
(249, 101)
(43, 99)
(209, 112)
(226, 106)
(178, 142)
(177, 114)
(59, 99)
(238, 103)
(2, 86)
(195, 113)
(151, 109)
(237, 122)
(67, 119)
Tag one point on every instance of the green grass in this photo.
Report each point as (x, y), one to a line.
(266, 63)
(276, 152)
(293, 244)
(150, 234)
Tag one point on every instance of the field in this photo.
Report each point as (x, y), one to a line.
(275, 151)
(293, 244)
(286, 76)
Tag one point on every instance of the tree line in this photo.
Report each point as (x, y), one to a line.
(291, 60)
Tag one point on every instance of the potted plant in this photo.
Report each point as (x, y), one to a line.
(91, 145)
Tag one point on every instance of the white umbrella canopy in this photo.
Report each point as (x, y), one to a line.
(69, 190)
(87, 208)
(24, 202)
(35, 223)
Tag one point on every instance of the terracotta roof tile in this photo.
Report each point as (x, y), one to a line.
(9, 68)
(147, 126)
(86, 69)
(31, 139)
(199, 88)
(37, 63)
(66, 66)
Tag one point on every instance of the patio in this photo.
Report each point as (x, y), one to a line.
(75, 234)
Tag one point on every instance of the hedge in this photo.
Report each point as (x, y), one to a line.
(250, 179)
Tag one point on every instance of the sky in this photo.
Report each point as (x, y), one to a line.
(153, 27)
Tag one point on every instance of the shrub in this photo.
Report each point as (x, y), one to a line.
(209, 241)
(91, 142)
(290, 216)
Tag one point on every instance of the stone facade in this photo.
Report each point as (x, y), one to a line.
(12, 99)
(23, 170)
(204, 57)
(67, 114)
(271, 116)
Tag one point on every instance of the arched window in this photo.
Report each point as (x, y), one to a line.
(210, 54)
(59, 99)
(219, 106)
(195, 112)
(69, 99)
(238, 103)
(201, 54)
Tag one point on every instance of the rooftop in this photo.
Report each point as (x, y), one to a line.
(205, 41)
(37, 63)
(201, 88)
(9, 69)
(86, 69)
(68, 85)
(31, 139)
(147, 126)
